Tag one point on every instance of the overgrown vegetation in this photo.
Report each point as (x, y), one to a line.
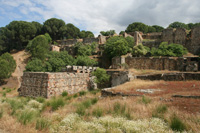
(101, 77)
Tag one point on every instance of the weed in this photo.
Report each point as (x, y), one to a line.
(4, 94)
(4, 88)
(176, 124)
(64, 93)
(8, 90)
(68, 98)
(75, 95)
(16, 104)
(121, 110)
(80, 110)
(98, 112)
(82, 93)
(159, 111)
(1, 113)
(27, 116)
(42, 123)
(94, 92)
(146, 100)
(87, 103)
(56, 103)
(94, 101)
(40, 99)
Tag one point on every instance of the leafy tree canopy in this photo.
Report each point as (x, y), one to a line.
(178, 25)
(139, 50)
(70, 31)
(108, 33)
(117, 46)
(137, 26)
(158, 28)
(54, 27)
(86, 34)
(101, 76)
(16, 35)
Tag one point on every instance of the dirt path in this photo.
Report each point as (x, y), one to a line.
(21, 60)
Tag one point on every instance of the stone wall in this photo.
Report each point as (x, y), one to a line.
(171, 76)
(195, 41)
(40, 84)
(159, 63)
(90, 40)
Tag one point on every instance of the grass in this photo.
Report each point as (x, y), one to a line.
(27, 116)
(40, 99)
(64, 93)
(121, 110)
(56, 103)
(82, 93)
(97, 112)
(81, 110)
(75, 95)
(177, 124)
(42, 123)
(160, 111)
(145, 100)
(1, 113)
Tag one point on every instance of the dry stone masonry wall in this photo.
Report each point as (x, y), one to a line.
(40, 84)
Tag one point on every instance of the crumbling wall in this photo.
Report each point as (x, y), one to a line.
(180, 36)
(90, 40)
(156, 63)
(67, 42)
(40, 84)
(195, 41)
(168, 35)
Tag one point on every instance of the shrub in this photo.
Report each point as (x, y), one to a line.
(94, 101)
(87, 103)
(85, 61)
(40, 99)
(56, 103)
(75, 95)
(64, 93)
(176, 124)
(4, 94)
(98, 112)
(101, 76)
(16, 104)
(27, 116)
(80, 110)
(159, 111)
(146, 100)
(1, 113)
(139, 50)
(82, 93)
(42, 123)
(121, 110)
(174, 50)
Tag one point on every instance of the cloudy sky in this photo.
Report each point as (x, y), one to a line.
(98, 15)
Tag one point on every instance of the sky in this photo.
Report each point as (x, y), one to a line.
(101, 15)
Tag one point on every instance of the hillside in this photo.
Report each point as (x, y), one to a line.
(21, 58)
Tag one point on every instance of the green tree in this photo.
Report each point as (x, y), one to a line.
(121, 32)
(139, 50)
(10, 60)
(38, 27)
(158, 28)
(108, 33)
(101, 76)
(16, 35)
(84, 50)
(178, 25)
(151, 29)
(85, 61)
(54, 27)
(137, 26)
(86, 34)
(35, 65)
(7, 66)
(57, 64)
(39, 47)
(116, 46)
(48, 37)
(70, 31)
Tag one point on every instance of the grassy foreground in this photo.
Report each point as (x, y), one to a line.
(88, 112)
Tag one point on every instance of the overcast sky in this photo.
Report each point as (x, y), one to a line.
(101, 15)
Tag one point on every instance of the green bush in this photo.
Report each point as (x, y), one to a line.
(42, 123)
(173, 50)
(94, 101)
(139, 50)
(40, 99)
(75, 95)
(176, 124)
(56, 103)
(101, 76)
(1, 113)
(64, 93)
(80, 110)
(85, 61)
(87, 103)
(82, 93)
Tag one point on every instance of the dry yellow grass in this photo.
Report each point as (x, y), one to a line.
(137, 83)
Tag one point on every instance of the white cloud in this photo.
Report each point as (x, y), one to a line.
(98, 15)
